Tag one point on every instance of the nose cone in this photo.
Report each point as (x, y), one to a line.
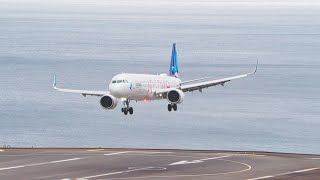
(119, 90)
(115, 90)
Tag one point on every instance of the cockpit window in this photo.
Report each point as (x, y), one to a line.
(119, 81)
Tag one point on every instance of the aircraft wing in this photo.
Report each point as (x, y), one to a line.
(206, 84)
(201, 85)
(83, 92)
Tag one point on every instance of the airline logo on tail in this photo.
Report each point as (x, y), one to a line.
(173, 71)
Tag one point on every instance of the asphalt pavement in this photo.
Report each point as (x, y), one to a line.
(144, 164)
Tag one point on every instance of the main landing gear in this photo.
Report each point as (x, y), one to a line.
(172, 106)
(127, 109)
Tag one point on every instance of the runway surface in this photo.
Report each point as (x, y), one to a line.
(63, 164)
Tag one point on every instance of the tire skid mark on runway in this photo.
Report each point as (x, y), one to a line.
(191, 175)
(286, 173)
(39, 164)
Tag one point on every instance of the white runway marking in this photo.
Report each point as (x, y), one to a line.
(1, 150)
(250, 155)
(119, 172)
(93, 150)
(39, 164)
(146, 152)
(151, 169)
(197, 161)
(243, 154)
(116, 153)
(162, 155)
(193, 175)
(283, 174)
(263, 177)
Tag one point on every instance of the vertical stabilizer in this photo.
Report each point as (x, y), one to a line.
(174, 70)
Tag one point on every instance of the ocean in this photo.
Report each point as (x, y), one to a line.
(87, 42)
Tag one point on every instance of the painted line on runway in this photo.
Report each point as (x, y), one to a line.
(151, 169)
(116, 153)
(283, 174)
(138, 152)
(196, 161)
(263, 177)
(39, 164)
(244, 154)
(250, 155)
(146, 152)
(93, 150)
(193, 175)
(1, 150)
(118, 172)
(164, 155)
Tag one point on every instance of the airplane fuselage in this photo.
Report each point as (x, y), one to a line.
(141, 87)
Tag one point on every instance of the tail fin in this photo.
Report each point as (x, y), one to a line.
(173, 71)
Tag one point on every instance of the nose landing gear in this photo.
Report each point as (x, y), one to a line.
(172, 106)
(127, 109)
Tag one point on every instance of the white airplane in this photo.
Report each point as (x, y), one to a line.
(145, 87)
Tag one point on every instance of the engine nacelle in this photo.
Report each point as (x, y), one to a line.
(108, 102)
(175, 96)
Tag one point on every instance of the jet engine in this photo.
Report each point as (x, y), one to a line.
(175, 96)
(108, 102)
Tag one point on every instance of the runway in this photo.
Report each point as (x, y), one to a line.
(67, 164)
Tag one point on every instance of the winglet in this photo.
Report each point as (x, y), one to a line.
(54, 82)
(256, 66)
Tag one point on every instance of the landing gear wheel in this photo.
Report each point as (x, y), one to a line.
(121, 109)
(131, 110)
(169, 107)
(125, 111)
(175, 107)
